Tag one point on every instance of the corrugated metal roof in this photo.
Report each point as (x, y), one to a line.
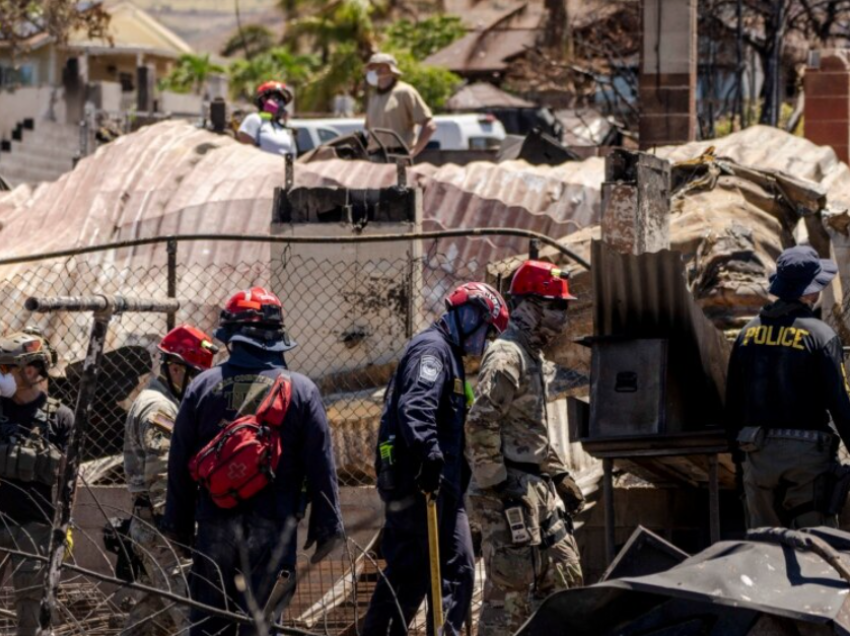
(482, 51)
(484, 95)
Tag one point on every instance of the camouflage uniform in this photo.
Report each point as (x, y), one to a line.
(147, 439)
(508, 441)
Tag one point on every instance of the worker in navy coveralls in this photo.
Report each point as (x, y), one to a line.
(420, 453)
(261, 530)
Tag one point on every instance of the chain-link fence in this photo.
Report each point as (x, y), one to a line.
(351, 316)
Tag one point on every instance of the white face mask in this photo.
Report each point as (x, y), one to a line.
(8, 386)
(372, 78)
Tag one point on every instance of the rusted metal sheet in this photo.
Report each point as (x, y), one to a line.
(776, 582)
(484, 95)
(647, 296)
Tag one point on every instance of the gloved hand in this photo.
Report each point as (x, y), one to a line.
(180, 544)
(326, 546)
(430, 476)
(570, 493)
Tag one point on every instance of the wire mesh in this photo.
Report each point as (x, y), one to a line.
(351, 316)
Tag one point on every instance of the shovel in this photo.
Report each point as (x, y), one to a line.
(434, 557)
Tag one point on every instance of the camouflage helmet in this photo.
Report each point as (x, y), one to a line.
(26, 347)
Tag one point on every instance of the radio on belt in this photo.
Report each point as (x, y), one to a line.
(516, 522)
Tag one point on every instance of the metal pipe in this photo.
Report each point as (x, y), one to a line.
(608, 497)
(70, 469)
(112, 304)
(304, 240)
(172, 280)
(104, 307)
(713, 499)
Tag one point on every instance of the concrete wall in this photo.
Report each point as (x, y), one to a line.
(320, 309)
(105, 96)
(179, 104)
(33, 102)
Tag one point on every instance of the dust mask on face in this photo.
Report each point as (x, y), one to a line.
(8, 386)
(372, 78)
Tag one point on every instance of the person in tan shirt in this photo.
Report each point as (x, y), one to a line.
(397, 106)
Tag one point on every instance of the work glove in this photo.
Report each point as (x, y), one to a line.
(570, 493)
(430, 476)
(180, 543)
(326, 546)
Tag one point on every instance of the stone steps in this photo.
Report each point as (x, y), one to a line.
(44, 154)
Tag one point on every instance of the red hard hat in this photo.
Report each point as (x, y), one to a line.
(536, 278)
(191, 346)
(274, 86)
(255, 305)
(484, 296)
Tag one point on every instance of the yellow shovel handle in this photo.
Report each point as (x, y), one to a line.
(434, 556)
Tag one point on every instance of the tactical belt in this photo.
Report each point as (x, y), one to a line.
(531, 469)
(802, 435)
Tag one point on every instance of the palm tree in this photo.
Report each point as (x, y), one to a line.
(191, 73)
(340, 21)
(277, 63)
(253, 39)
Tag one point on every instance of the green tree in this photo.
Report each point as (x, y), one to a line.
(337, 23)
(190, 74)
(343, 73)
(425, 37)
(435, 83)
(278, 63)
(252, 40)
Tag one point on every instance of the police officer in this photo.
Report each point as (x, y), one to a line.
(420, 452)
(184, 352)
(258, 536)
(34, 432)
(786, 378)
(521, 488)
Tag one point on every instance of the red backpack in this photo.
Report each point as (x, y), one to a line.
(242, 459)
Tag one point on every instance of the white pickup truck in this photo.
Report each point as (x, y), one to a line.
(454, 132)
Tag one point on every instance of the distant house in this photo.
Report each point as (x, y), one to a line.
(502, 46)
(51, 87)
(119, 74)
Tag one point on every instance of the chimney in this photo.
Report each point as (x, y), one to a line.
(668, 72)
(827, 109)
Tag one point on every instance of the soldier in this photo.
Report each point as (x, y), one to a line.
(519, 482)
(420, 452)
(184, 352)
(786, 377)
(260, 531)
(34, 432)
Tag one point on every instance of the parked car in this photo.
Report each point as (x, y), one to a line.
(454, 132)
(467, 132)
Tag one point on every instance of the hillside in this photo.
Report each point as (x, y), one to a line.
(206, 24)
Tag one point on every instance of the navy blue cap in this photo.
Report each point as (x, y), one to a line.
(799, 272)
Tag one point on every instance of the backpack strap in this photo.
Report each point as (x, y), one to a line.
(275, 405)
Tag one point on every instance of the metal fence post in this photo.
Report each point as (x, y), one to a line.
(534, 249)
(103, 308)
(70, 468)
(171, 249)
